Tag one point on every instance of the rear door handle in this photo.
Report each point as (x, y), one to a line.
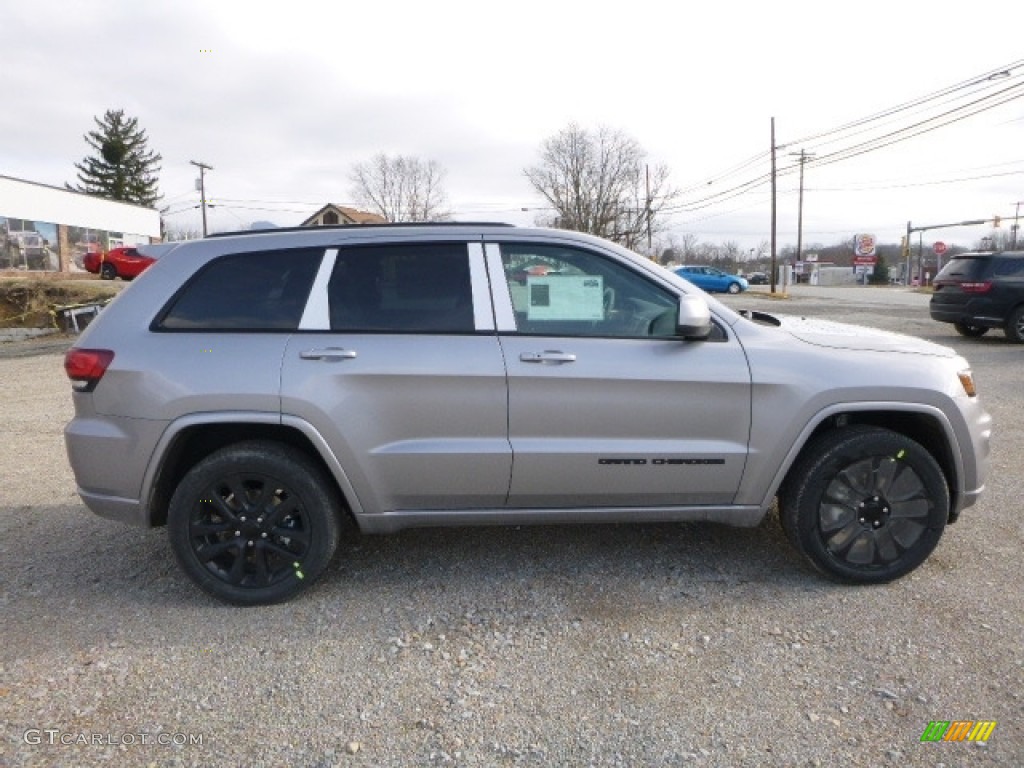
(547, 356)
(330, 353)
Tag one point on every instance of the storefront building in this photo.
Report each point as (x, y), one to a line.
(49, 229)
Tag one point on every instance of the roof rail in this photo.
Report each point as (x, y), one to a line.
(386, 225)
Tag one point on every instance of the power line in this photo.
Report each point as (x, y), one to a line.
(945, 118)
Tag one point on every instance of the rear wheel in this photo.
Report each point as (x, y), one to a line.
(254, 523)
(865, 505)
(970, 331)
(1015, 325)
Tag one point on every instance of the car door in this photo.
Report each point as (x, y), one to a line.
(606, 406)
(397, 365)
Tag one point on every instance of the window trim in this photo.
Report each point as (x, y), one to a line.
(317, 315)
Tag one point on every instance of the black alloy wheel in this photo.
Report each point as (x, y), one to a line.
(866, 505)
(254, 523)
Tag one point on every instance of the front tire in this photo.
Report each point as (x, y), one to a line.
(970, 331)
(734, 288)
(1015, 325)
(108, 271)
(255, 523)
(865, 505)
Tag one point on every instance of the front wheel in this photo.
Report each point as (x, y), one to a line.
(1015, 325)
(865, 505)
(734, 288)
(254, 523)
(970, 331)
(108, 271)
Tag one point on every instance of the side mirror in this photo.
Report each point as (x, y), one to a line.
(693, 321)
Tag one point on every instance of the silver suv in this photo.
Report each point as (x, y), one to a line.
(253, 392)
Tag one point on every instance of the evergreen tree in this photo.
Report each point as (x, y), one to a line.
(123, 167)
(880, 274)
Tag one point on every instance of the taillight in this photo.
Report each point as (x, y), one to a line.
(976, 287)
(85, 367)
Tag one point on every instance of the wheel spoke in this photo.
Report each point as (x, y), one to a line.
(885, 473)
(907, 485)
(862, 551)
(835, 516)
(211, 528)
(915, 508)
(208, 552)
(859, 477)
(838, 543)
(214, 496)
(262, 575)
(283, 552)
(286, 506)
(906, 532)
(888, 552)
(294, 534)
(237, 572)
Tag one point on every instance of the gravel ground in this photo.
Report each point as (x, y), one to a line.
(660, 645)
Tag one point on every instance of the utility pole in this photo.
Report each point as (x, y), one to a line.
(202, 188)
(647, 208)
(1016, 227)
(804, 157)
(774, 257)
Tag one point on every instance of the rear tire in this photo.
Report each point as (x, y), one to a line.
(865, 505)
(1015, 325)
(970, 331)
(255, 523)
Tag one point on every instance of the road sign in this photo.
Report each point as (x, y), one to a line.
(865, 261)
(864, 245)
(939, 248)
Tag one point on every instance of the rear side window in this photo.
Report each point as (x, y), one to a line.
(969, 268)
(402, 288)
(1008, 268)
(264, 291)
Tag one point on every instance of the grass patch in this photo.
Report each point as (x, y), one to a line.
(26, 302)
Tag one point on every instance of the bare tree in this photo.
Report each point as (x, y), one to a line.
(601, 183)
(401, 188)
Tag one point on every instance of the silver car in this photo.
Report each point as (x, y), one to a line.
(255, 391)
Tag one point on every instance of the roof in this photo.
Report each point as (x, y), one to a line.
(346, 215)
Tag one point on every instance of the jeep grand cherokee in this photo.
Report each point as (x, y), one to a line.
(252, 392)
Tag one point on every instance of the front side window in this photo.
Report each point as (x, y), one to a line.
(562, 291)
(402, 288)
(264, 291)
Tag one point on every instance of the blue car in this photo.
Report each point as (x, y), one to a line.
(713, 280)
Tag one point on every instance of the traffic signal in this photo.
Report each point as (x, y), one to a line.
(995, 221)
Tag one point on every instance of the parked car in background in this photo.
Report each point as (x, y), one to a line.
(254, 391)
(757, 278)
(125, 263)
(713, 280)
(979, 291)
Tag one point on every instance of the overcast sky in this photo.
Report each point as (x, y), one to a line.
(282, 99)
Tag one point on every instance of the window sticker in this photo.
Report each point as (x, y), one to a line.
(565, 297)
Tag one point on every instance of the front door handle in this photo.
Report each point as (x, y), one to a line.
(547, 356)
(330, 353)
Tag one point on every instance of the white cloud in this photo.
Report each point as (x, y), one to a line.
(281, 100)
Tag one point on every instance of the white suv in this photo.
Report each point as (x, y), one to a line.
(253, 391)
